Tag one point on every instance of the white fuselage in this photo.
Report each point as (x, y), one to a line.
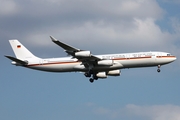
(120, 61)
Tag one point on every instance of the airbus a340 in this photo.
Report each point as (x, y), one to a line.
(93, 66)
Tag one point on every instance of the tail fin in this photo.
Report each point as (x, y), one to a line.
(20, 51)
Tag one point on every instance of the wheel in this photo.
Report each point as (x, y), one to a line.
(87, 75)
(158, 70)
(95, 77)
(91, 80)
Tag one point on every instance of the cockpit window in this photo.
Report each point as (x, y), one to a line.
(168, 54)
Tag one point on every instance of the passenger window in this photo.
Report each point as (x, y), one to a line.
(168, 54)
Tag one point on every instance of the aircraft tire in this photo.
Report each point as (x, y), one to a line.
(87, 75)
(91, 80)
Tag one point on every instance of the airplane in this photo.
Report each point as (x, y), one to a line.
(93, 66)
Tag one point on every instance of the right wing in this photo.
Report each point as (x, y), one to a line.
(81, 55)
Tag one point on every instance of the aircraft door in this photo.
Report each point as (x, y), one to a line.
(154, 58)
(40, 62)
(159, 55)
(127, 56)
(43, 61)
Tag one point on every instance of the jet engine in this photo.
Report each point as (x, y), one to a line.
(105, 62)
(83, 54)
(101, 75)
(114, 73)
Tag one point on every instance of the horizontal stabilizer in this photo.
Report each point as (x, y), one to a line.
(18, 61)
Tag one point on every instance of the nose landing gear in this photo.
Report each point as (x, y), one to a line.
(158, 70)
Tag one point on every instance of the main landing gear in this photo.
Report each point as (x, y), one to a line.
(94, 77)
(91, 80)
(158, 70)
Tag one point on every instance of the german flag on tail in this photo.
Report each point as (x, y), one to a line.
(18, 46)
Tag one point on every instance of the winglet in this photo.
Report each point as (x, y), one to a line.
(53, 39)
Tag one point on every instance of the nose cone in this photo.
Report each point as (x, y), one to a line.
(173, 58)
(165, 59)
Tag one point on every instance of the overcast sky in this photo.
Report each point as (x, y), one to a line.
(102, 26)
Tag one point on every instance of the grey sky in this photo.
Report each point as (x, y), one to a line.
(124, 22)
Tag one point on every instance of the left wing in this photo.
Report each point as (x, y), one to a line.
(67, 48)
(81, 55)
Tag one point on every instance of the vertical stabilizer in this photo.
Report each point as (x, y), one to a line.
(20, 51)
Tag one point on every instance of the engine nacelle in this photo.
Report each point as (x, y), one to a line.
(83, 54)
(101, 75)
(105, 62)
(114, 73)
